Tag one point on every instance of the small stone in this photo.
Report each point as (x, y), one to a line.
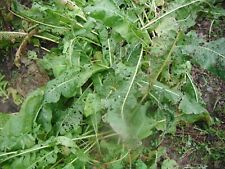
(210, 89)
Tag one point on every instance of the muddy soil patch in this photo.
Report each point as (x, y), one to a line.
(24, 80)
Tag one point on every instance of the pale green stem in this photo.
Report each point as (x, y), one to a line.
(110, 53)
(168, 13)
(23, 34)
(193, 85)
(35, 21)
(131, 83)
(167, 58)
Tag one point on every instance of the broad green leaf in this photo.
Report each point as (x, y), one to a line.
(165, 92)
(92, 105)
(117, 165)
(166, 26)
(169, 164)
(193, 111)
(166, 31)
(55, 63)
(191, 107)
(110, 150)
(67, 121)
(15, 131)
(4, 117)
(209, 55)
(69, 166)
(23, 122)
(65, 141)
(106, 12)
(83, 109)
(21, 162)
(45, 118)
(141, 165)
(135, 125)
(68, 84)
(186, 16)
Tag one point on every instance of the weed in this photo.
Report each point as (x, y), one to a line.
(121, 77)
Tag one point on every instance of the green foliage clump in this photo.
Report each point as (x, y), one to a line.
(120, 78)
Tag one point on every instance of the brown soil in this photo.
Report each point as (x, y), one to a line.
(24, 79)
(6, 68)
(212, 90)
(30, 78)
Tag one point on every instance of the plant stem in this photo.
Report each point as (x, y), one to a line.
(35, 21)
(162, 67)
(167, 58)
(22, 34)
(193, 85)
(168, 13)
(131, 83)
(24, 152)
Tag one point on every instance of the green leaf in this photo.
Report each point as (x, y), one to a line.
(166, 26)
(92, 104)
(169, 164)
(166, 94)
(209, 55)
(106, 12)
(186, 16)
(84, 108)
(23, 122)
(53, 62)
(4, 117)
(193, 111)
(67, 121)
(191, 107)
(45, 118)
(69, 166)
(141, 165)
(166, 31)
(68, 84)
(111, 150)
(65, 141)
(136, 125)
(15, 131)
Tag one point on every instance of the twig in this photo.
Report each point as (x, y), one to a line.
(210, 28)
(22, 47)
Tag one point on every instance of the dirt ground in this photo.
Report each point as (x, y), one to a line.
(24, 79)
